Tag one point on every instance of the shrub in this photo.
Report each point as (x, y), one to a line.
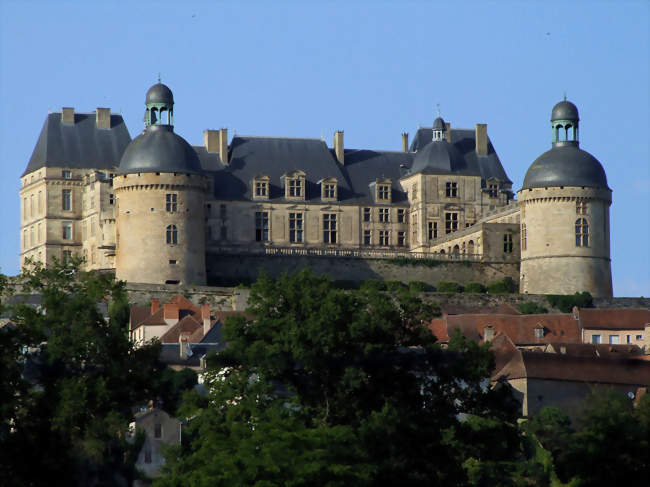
(395, 285)
(504, 286)
(565, 303)
(531, 308)
(373, 285)
(475, 287)
(419, 286)
(346, 284)
(449, 287)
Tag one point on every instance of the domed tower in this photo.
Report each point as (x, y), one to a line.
(160, 191)
(564, 206)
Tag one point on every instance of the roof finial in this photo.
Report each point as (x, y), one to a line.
(158, 76)
(564, 95)
(438, 107)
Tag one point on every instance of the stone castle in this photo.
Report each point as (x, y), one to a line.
(157, 210)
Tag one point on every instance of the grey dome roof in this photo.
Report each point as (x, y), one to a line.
(439, 124)
(159, 149)
(565, 165)
(159, 93)
(564, 110)
(438, 157)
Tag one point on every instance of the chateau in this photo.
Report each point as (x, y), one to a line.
(158, 210)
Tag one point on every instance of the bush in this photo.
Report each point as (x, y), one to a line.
(532, 308)
(449, 287)
(419, 286)
(565, 303)
(475, 287)
(395, 285)
(346, 284)
(373, 285)
(504, 286)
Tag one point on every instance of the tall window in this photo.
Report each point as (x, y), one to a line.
(66, 199)
(433, 230)
(493, 190)
(111, 199)
(67, 256)
(401, 215)
(40, 233)
(329, 227)
(66, 228)
(261, 226)
(31, 205)
(581, 207)
(507, 243)
(295, 187)
(383, 192)
(582, 232)
(401, 239)
(31, 236)
(223, 211)
(524, 237)
(451, 222)
(384, 237)
(366, 214)
(295, 227)
(451, 190)
(329, 191)
(384, 215)
(172, 235)
(595, 339)
(367, 237)
(261, 189)
(171, 202)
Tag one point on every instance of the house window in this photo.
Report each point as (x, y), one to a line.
(433, 230)
(451, 190)
(582, 232)
(295, 187)
(172, 235)
(384, 214)
(581, 207)
(66, 174)
(524, 236)
(329, 191)
(507, 243)
(223, 211)
(539, 332)
(383, 192)
(67, 230)
(66, 199)
(595, 339)
(295, 227)
(401, 215)
(384, 237)
(493, 190)
(639, 337)
(157, 430)
(451, 222)
(261, 189)
(171, 202)
(367, 237)
(329, 228)
(629, 339)
(111, 199)
(261, 226)
(613, 339)
(401, 239)
(366, 214)
(67, 256)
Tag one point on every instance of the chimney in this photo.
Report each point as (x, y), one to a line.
(205, 315)
(405, 142)
(338, 146)
(211, 140)
(184, 344)
(223, 145)
(103, 118)
(448, 131)
(488, 333)
(576, 313)
(170, 313)
(155, 305)
(67, 115)
(481, 139)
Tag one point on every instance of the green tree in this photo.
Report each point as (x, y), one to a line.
(72, 378)
(347, 386)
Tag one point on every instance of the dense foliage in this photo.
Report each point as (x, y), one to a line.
(565, 303)
(532, 308)
(507, 285)
(475, 287)
(328, 387)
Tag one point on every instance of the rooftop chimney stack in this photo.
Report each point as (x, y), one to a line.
(405, 142)
(338, 146)
(488, 333)
(67, 115)
(223, 145)
(205, 315)
(211, 140)
(184, 344)
(481, 139)
(103, 118)
(448, 131)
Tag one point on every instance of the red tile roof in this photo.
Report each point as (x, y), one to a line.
(614, 318)
(188, 325)
(594, 350)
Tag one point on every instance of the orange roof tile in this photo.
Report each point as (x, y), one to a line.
(187, 325)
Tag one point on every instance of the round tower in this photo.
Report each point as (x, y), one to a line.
(160, 194)
(564, 205)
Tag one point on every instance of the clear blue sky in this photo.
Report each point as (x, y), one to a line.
(373, 69)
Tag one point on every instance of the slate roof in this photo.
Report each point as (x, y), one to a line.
(170, 353)
(614, 319)
(80, 145)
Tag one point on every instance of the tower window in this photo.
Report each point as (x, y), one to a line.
(66, 200)
(384, 215)
(507, 243)
(66, 228)
(295, 227)
(493, 190)
(261, 226)
(171, 202)
(451, 222)
(401, 215)
(111, 199)
(582, 232)
(524, 237)
(329, 227)
(172, 235)
(451, 190)
(581, 207)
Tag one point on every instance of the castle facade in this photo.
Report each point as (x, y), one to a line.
(158, 210)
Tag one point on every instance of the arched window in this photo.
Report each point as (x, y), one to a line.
(582, 232)
(456, 249)
(524, 236)
(172, 235)
(470, 247)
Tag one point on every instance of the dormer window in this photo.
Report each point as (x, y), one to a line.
(383, 191)
(539, 332)
(294, 185)
(261, 187)
(329, 189)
